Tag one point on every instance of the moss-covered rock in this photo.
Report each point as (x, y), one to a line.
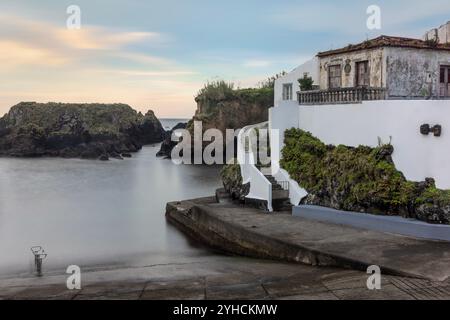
(360, 179)
(221, 107)
(76, 130)
(232, 181)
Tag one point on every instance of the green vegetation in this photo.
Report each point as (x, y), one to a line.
(64, 118)
(222, 106)
(222, 91)
(306, 83)
(216, 91)
(231, 173)
(232, 181)
(360, 179)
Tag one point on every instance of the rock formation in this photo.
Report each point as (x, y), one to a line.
(167, 144)
(90, 131)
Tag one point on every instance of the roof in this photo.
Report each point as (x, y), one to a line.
(388, 41)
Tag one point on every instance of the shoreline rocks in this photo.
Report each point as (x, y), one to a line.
(167, 144)
(87, 131)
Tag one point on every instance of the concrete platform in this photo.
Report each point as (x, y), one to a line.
(250, 232)
(397, 225)
(227, 278)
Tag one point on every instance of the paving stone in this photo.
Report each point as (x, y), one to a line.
(196, 283)
(174, 294)
(120, 290)
(231, 279)
(46, 292)
(251, 291)
(349, 280)
(312, 296)
(294, 286)
(387, 292)
(423, 289)
(182, 289)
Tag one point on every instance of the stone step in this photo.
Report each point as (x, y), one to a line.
(280, 195)
(282, 204)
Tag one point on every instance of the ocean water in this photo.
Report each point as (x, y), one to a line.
(95, 214)
(168, 124)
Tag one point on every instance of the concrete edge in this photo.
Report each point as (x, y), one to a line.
(199, 222)
(386, 224)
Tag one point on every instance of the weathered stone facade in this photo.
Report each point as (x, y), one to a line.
(406, 68)
(375, 58)
(414, 73)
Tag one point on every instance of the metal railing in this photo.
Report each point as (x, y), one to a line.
(284, 185)
(341, 95)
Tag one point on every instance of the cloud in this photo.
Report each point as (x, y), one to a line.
(47, 62)
(88, 43)
(14, 54)
(97, 38)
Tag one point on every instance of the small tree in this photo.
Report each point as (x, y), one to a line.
(306, 83)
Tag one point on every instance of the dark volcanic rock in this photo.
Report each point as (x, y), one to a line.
(232, 182)
(168, 144)
(88, 131)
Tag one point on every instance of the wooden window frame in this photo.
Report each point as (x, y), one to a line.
(357, 75)
(446, 80)
(334, 77)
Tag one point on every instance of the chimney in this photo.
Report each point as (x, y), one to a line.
(441, 34)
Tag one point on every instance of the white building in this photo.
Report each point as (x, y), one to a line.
(286, 87)
(347, 110)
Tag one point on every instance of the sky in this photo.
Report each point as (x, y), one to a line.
(157, 54)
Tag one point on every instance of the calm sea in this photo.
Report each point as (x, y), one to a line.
(95, 214)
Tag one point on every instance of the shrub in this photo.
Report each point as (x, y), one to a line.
(360, 179)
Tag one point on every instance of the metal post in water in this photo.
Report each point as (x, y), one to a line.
(39, 255)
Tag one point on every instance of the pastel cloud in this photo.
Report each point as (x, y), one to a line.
(14, 54)
(46, 62)
(100, 38)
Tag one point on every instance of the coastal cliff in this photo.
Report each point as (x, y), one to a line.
(220, 106)
(87, 131)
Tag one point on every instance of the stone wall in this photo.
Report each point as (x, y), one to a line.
(374, 56)
(413, 73)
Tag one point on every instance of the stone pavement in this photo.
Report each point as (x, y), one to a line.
(230, 278)
(251, 232)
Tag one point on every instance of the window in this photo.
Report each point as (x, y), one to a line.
(287, 91)
(444, 83)
(334, 77)
(362, 74)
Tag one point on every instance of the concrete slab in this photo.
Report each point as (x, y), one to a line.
(250, 232)
(395, 225)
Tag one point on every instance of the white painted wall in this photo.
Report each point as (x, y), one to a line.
(416, 155)
(311, 67)
(260, 187)
(282, 118)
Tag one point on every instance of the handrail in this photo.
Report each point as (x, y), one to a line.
(260, 187)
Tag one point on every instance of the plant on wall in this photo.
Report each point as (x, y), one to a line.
(306, 83)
